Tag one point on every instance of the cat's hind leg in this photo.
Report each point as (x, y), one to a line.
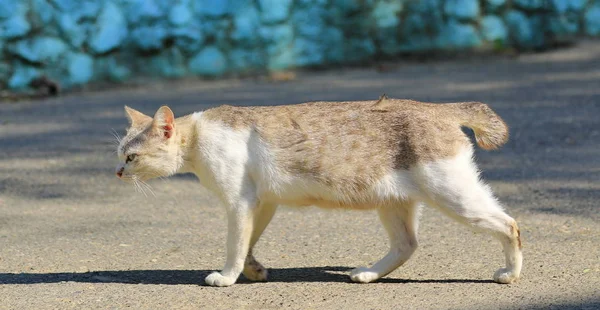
(253, 270)
(453, 186)
(401, 223)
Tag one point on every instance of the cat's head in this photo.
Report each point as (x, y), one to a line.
(148, 150)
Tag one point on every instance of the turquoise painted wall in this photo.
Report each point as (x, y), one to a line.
(80, 41)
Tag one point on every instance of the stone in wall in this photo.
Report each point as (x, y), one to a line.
(65, 5)
(149, 38)
(22, 76)
(307, 53)
(494, 6)
(349, 6)
(275, 11)
(592, 20)
(358, 49)
(39, 49)
(385, 13)
(245, 26)
(210, 61)
(13, 20)
(310, 44)
(387, 19)
(563, 27)
(111, 68)
(243, 60)
(72, 31)
(529, 5)
(565, 6)
(111, 29)
(564, 18)
(80, 68)
(520, 28)
(217, 31)
(494, 30)
(9, 7)
(465, 10)
(334, 53)
(422, 24)
(190, 37)
(539, 30)
(14, 27)
(276, 38)
(143, 12)
(170, 63)
(213, 8)
(281, 60)
(79, 10)
(41, 13)
(309, 22)
(352, 22)
(180, 14)
(456, 35)
(5, 71)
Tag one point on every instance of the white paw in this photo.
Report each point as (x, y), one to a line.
(363, 275)
(216, 279)
(255, 272)
(505, 276)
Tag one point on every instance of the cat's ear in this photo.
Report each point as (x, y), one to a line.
(136, 117)
(164, 121)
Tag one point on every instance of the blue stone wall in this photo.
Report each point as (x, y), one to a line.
(76, 42)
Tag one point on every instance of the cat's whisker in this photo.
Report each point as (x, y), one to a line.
(116, 135)
(110, 142)
(145, 186)
(148, 187)
(111, 152)
(141, 188)
(137, 186)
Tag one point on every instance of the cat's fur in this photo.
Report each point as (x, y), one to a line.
(389, 155)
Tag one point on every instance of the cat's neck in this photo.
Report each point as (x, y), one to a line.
(186, 138)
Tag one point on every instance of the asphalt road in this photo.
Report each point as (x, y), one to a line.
(73, 236)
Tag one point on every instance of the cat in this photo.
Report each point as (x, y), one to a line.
(388, 155)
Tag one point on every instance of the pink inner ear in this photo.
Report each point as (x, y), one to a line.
(168, 131)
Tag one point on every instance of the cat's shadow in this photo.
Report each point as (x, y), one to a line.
(196, 277)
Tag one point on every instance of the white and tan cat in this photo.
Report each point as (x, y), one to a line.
(387, 155)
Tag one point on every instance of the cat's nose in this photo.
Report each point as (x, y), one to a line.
(120, 172)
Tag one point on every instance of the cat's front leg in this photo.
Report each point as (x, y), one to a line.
(240, 221)
(253, 270)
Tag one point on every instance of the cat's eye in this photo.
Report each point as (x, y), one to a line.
(130, 158)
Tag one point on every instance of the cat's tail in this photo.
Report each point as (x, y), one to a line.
(490, 130)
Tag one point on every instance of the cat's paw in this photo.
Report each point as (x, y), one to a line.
(254, 271)
(505, 276)
(216, 279)
(363, 275)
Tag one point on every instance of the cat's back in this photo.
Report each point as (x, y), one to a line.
(388, 132)
(319, 114)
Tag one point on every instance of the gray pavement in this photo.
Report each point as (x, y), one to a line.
(73, 236)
